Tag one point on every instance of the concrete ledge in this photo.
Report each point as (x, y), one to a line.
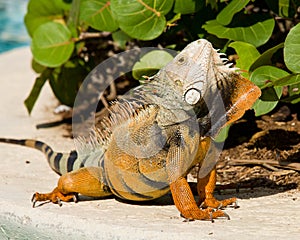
(262, 214)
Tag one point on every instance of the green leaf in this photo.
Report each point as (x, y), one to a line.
(73, 18)
(262, 107)
(284, 8)
(295, 100)
(38, 68)
(174, 19)
(294, 94)
(294, 89)
(285, 81)
(65, 81)
(291, 49)
(213, 4)
(187, 6)
(40, 12)
(52, 44)
(266, 57)
(260, 77)
(63, 4)
(264, 74)
(141, 19)
(223, 134)
(257, 34)
(150, 63)
(227, 13)
(247, 55)
(121, 38)
(269, 95)
(36, 89)
(98, 15)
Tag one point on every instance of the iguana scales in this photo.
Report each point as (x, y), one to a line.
(156, 134)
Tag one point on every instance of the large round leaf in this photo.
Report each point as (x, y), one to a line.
(247, 55)
(227, 13)
(40, 12)
(64, 4)
(292, 49)
(52, 44)
(150, 63)
(65, 80)
(257, 34)
(97, 14)
(120, 38)
(269, 99)
(187, 6)
(265, 58)
(141, 19)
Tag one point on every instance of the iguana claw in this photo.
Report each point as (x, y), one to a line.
(33, 200)
(55, 197)
(75, 198)
(216, 204)
(227, 216)
(187, 219)
(235, 205)
(211, 217)
(58, 202)
(220, 206)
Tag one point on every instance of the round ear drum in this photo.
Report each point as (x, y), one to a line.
(192, 96)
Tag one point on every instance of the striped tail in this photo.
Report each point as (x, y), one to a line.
(60, 162)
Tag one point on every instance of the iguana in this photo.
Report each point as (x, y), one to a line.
(155, 135)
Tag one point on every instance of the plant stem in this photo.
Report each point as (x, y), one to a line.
(85, 35)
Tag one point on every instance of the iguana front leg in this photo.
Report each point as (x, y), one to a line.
(87, 181)
(206, 187)
(186, 204)
(180, 151)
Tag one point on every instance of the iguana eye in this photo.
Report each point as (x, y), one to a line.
(192, 96)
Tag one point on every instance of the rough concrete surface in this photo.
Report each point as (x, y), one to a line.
(263, 214)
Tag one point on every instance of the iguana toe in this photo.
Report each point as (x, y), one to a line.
(206, 214)
(55, 197)
(214, 203)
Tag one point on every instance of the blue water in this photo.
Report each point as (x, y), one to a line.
(13, 33)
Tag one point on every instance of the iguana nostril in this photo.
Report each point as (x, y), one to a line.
(181, 60)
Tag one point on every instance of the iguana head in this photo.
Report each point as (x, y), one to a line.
(203, 78)
(196, 68)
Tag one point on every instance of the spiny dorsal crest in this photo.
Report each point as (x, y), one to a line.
(120, 112)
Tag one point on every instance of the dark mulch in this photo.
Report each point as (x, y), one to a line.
(263, 152)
